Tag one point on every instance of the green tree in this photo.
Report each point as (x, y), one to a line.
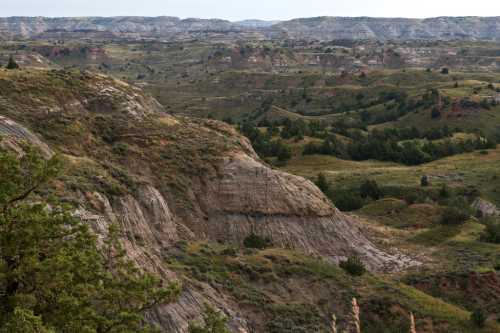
(53, 276)
(12, 64)
(322, 183)
(424, 181)
(478, 318)
(370, 189)
(215, 322)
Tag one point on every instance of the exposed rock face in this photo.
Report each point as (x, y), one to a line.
(292, 211)
(485, 207)
(440, 28)
(323, 28)
(164, 25)
(14, 133)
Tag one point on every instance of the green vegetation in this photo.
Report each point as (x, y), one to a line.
(53, 276)
(454, 216)
(353, 266)
(491, 233)
(254, 241)
(12, 64)
(214, 322)
(478, 318)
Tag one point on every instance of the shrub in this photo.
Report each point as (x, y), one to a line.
(215, 322)
(444, 192)
(347, 201)
(353, 265)
(424, 181)
(435, 113)
(445, 71)
(492, 232)
(322, 183)
(120, 148)
(12, 64)
(370, 189)
(254, 241)
(454, 216)
(478, 318)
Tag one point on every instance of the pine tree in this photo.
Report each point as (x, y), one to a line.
(12, 64)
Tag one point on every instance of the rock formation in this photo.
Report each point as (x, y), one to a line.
(320, 28)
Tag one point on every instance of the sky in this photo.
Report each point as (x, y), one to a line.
(251, 9)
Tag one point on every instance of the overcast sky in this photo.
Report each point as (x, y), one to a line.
(261, 9)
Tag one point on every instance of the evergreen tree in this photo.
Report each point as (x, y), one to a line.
(322, 183)
(12, 64)
(53, 276)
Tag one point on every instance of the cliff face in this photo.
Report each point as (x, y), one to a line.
(31, 26)
(322, 28)
(165, 179)
(441, 28)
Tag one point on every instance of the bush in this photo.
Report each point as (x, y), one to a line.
(444, 192)
(478, 318)
(492, 232)
(254, 241)
(454, 216)
(424, 181)
(370, 189)
(12, 64)
(215, 322)
(347, 201)
(354, 266)
(322, 183)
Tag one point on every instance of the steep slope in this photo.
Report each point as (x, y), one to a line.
(166, 179)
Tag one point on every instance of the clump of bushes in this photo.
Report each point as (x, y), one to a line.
(347, 201)
(254, 241)
(353, 266)
(492, 232)
(454, 216)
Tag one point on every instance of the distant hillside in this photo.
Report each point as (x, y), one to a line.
(323, 28)
(440, 28)
(256, 23)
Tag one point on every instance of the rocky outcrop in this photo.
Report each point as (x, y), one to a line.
(292, 211)
(485, 207)
(13, 134)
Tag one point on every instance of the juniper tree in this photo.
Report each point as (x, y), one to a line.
(53, 276)
(12, 64)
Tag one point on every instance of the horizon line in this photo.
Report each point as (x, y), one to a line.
(243, 20)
